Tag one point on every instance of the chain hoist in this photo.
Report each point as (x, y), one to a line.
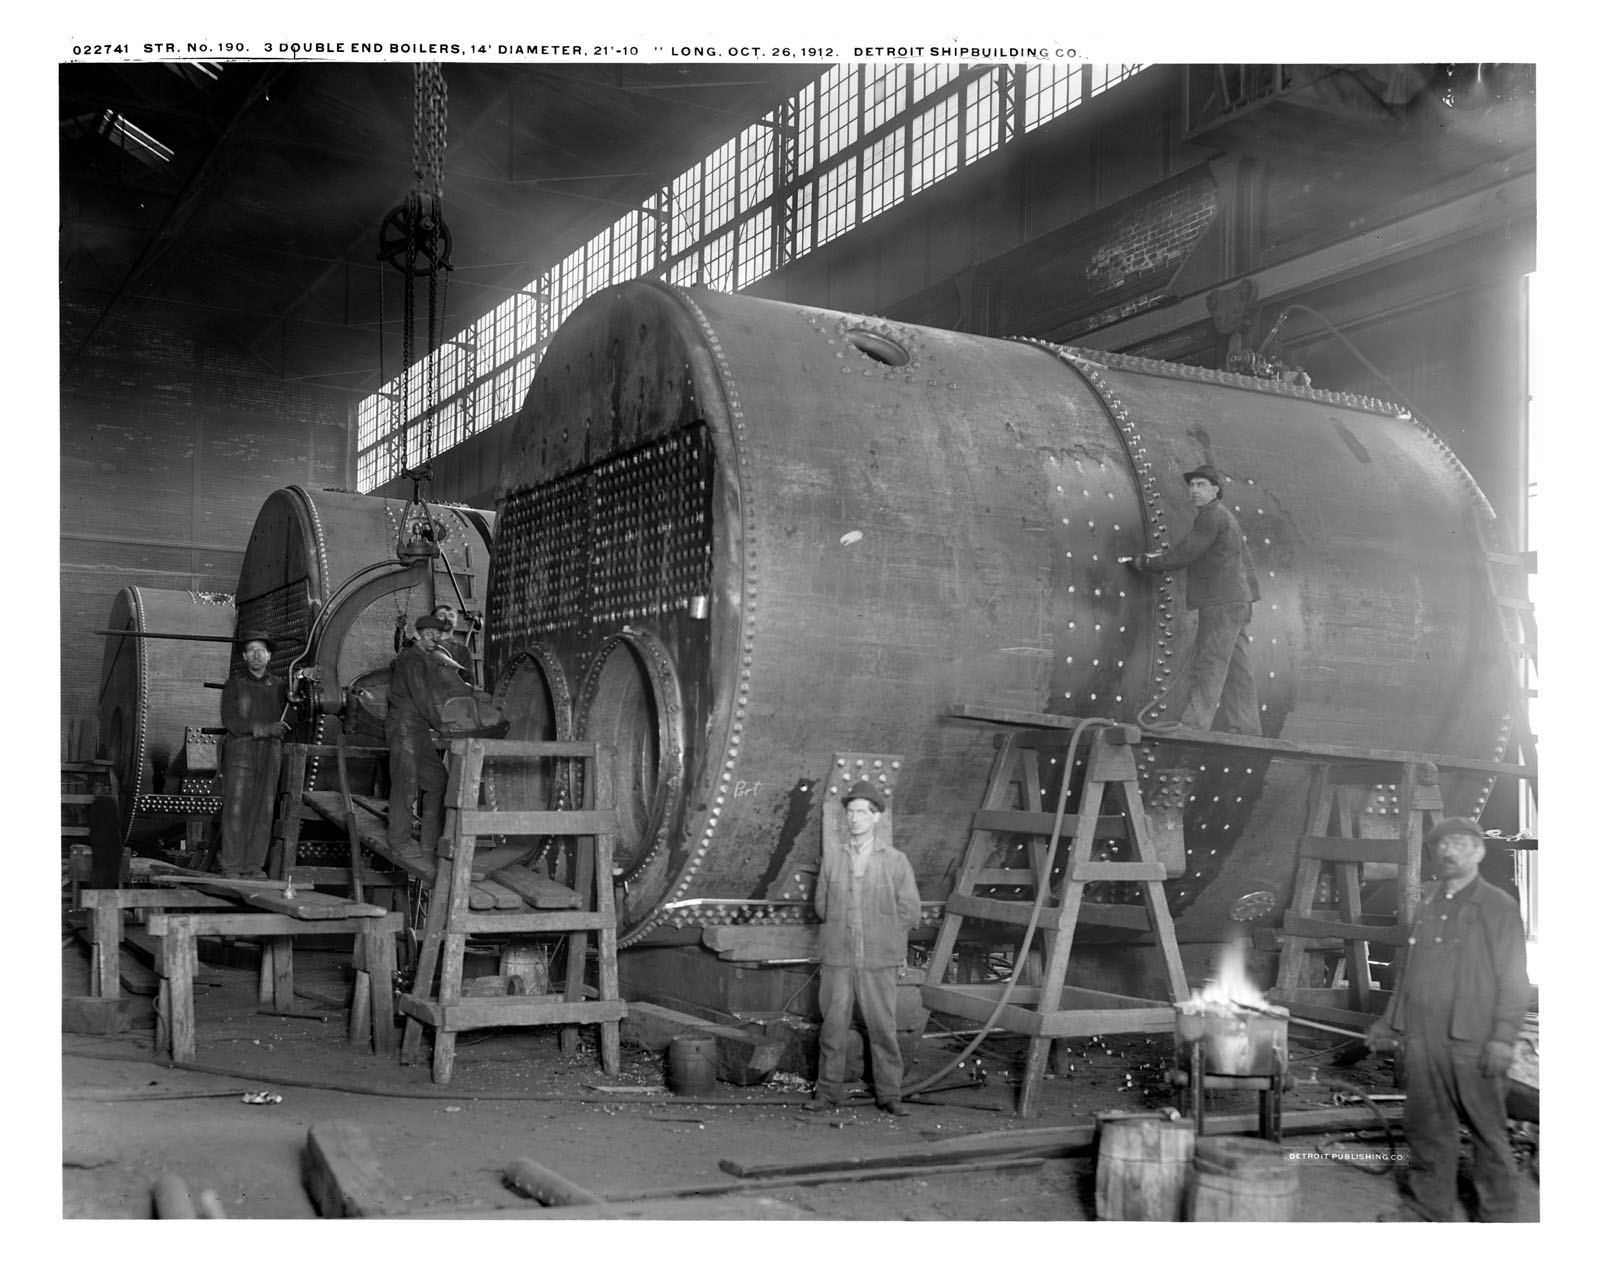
(414, 239)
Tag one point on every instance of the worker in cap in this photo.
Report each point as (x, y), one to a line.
(458, 652)
(1458, 1010)
(421, 677)
(1220, 585)
(253, 704)
(867, 901)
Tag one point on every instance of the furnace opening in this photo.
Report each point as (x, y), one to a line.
(625, 709)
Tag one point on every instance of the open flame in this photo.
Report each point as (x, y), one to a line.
(1230, 988)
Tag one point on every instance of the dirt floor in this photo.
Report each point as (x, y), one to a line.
(129, 1117)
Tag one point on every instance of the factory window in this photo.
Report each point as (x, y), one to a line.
(805, 123)
(722, 186)
(930, 77)
(686, 192)
(597, 270)
(755, 166)
(836, 201)
(836, 128)
(883, 175)
(983, 115)
(952, 114)
(719, 261)
(883, 97)
(1105, 74)
(686, 271)
(755, 247)
(934, 145)
(1053, 87)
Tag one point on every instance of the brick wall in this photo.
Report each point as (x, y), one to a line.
(168, 448)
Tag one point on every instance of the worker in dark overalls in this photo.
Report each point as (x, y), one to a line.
(422, 676)
(253, 703)
(1221, 587)
(1458, 1010)
(868, 903)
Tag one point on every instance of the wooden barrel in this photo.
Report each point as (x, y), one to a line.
(1142, 1169)
(1241, 1180)
(692, 1064)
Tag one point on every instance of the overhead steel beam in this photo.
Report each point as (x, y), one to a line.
(177, 217)
(1498, 205)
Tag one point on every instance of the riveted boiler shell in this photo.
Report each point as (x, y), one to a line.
(152, 688)
(750, 535)
(310, 547)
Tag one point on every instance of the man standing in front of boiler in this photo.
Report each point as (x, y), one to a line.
(1458, 1008)
(867, 901)
(1221, 586)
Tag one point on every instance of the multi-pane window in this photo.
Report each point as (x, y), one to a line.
(983, 115)
(755, 247)
(839, 118)
(883, 174)
(1053, 87)
(856, 141)
(719, 261)
(935, 143)
(686, 210)
(722, 185)
(755, 165)
(836, 201)
(883, 95)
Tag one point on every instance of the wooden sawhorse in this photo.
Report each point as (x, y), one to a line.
(105, 908)
(373, 1003)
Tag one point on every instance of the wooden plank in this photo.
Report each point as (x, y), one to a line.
(533, 921)
(1299, 926)
(1270, 746)
(262, 924)
(125, 899)
(1039, 823)
(1352, 849)
(306, 904)
(538, 890)
(472, 1012)
(342, 1175)
(538, 822)
(1003, 912)
(1090, 872)
(486, 895)
(745, 1208)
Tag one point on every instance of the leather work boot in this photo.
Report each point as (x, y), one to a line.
(895, 1107)
(819, 1104)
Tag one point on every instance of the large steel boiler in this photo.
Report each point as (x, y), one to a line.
(163, 648)
(340, 576)
(737, 537)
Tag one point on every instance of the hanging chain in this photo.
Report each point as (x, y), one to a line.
(427, 163)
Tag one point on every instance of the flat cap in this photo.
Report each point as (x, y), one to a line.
(427, 622)
(864, 790)
(1453, 827)
(260, 636)
(1203, 472)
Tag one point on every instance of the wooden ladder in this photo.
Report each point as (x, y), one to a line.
(1039, 1011)
(450, 918)
(1340, 794)
(1503, 577)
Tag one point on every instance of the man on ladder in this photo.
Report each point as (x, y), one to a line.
(1221, 586)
